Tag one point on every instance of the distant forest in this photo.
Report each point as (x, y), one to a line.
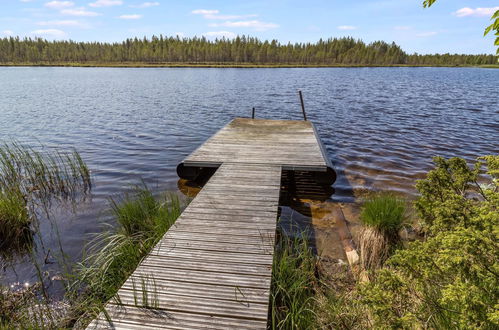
(240, 50)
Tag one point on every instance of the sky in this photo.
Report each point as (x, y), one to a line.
(454, 26)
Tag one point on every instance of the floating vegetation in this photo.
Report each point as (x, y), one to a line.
(29, 181)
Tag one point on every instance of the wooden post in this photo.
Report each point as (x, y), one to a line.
(302, 106)
(253, 113)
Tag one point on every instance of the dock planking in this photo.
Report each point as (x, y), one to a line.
(213, 268)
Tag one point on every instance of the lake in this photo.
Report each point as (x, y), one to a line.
(381, 127)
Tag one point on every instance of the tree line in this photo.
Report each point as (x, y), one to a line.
(239, 50)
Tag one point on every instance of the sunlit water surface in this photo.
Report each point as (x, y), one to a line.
(380, 126)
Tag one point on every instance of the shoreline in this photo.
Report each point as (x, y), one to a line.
(235, 65)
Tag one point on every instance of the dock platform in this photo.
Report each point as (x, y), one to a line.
(213, 268)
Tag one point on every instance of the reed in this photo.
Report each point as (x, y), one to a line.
(114, 254)
(293, 278)
(29, 181)
(382, 215)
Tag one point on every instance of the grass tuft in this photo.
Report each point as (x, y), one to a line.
(383, 215)
(14, 219)
(29, 181)
(293, 278)
(384, 212)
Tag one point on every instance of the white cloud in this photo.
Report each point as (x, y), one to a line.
(426, 34)
(132, 16)
(79, 12)
(477, 12)
(215, 14)
(72, 23)
(146, 5)
(49, 33)
(106, 3)
(59, 4)
(220, 34)
(8, 32)
(205, 11)
(257, 25)
(402, 28)
(347, 27)
(228, 17)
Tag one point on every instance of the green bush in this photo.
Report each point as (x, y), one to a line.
(451, 278)
(383, 212)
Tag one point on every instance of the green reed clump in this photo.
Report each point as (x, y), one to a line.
(383, 215)
(384, 212)
(30, 180)
(14, 219)
(114, 254)
(293, 279)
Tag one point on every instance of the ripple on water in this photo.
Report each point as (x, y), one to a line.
(380, 126)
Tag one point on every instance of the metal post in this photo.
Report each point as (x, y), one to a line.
(253, 113)
(302, 106)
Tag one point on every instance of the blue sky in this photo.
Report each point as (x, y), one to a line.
(453, 26)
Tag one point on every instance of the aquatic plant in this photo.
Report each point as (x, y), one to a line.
(29, 181)
(14, 219)
(114, 254)
(382, 215)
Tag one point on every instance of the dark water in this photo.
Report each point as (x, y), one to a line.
(381, 126)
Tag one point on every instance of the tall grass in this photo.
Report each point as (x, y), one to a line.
(293, 278)
(384, 212)
(305, 296)
(14, 220)
(43, 176)
(114, 254)
(382, 215)
(30, 181)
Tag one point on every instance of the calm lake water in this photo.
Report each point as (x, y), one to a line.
(381, 126)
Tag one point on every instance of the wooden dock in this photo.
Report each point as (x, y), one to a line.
(213, 268)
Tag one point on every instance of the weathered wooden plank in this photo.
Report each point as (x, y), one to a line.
(228, 257)
(211, 266)
(137, 284)
(245, 232)
(207, 237)
(228, 308)
(235, 280)
(217, 246)
(222, 244)
(201, 215)
(130, 317)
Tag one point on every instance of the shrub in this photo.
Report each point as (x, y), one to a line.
(450, 279)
